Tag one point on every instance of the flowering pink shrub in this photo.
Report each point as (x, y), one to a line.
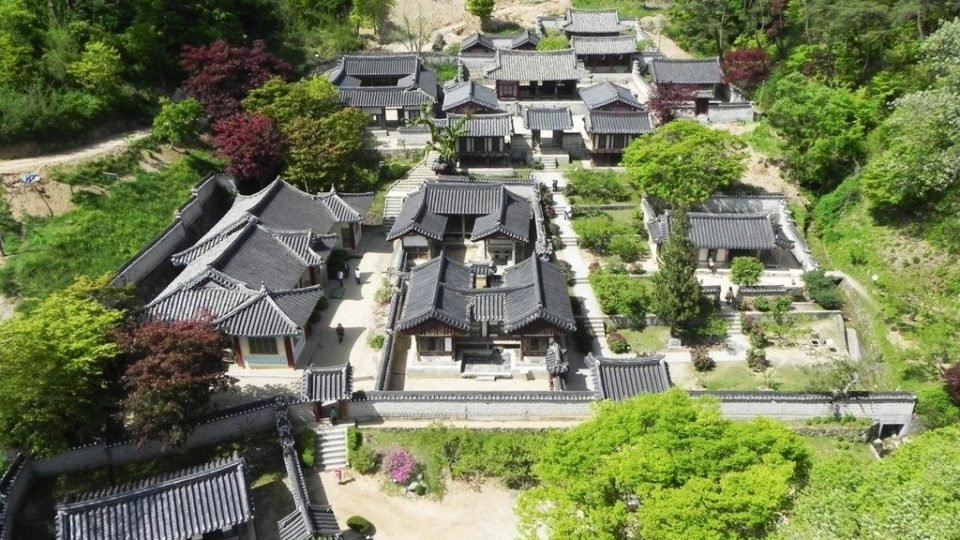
(399, 465)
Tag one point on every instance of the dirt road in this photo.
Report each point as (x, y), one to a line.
(34, 164)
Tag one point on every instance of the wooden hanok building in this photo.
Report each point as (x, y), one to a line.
(487, 138)
(391, 89)
(554, 120)
(606, 53)
(585, 22)
(702, 79)
(536, 74)
(612, 132)
(454, 319)
(470, 97)
(606, 96)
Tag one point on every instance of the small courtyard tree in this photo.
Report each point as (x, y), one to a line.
(178, 122)
(667, 99)
(554, 41)
(176, 368)
(444, 135)
(746, 270)
(683, 163)
(676, 292)
(481, 8)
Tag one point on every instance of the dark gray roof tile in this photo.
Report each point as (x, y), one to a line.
(469, 92)
(675, 71)
(327, 384)
(615, 122)
(623, 378)
(548, 118)
(484, 125)
(181, 505)
(592, 21)
(536, 66)
(605, 93)
(272, 313)
(603, 45)
(723, 231)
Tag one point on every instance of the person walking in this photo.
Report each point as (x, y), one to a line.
(711, 265)
(340, 333)
(340, 277)
(729, 296)
(346, 269)
(334, 415)
(356, 275)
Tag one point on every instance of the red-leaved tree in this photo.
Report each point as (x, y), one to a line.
(220, 76)
(666, 100)
(951, 381)
(254, 146)
(175, 368)
(746, 68)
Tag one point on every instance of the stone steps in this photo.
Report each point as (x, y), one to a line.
(331, 450)
(733, 321)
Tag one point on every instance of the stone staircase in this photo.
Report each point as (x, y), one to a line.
(734, 327)
(549, 164)
(406, 185)
(331, 452)
(594, 324)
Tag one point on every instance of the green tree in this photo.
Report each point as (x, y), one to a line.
(444, 135)
(98, 69)
(746, 270)
(54, 362)
(683, 163)
(824, 130)
(284, 102)
(676, 291)
(371, 13)
(481, 8)
(911, 494)
(324, 152)
(553, 42)
(663, 466)
(178, 123)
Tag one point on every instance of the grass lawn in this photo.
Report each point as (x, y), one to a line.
(627, 8)
(447, 72)
(765, 141)
(737, 376)
(824, 448)
(101, 233)
(650, 339)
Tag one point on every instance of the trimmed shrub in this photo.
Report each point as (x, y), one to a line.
(700, 357)
(400, 465)
(714, 327)
(306, 446)
(822, 290)
(354, 439)
(360, 525)
(365, 460)
(757, 359)
(596, 186)
(617, 343)
(621, 294)
(375, 341)
(627, 247)
(746, 270)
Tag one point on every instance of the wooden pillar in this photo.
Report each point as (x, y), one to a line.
(383, 117)
(238, 352)
(288, 346)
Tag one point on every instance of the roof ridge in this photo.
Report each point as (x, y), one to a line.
(280, 310)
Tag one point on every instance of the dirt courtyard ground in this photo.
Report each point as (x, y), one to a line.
(464, 514)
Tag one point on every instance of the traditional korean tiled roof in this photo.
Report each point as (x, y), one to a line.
(605, 93)
(441, 290)
(438, 290)
(498, 209)
(492, 43)
(209, 294)
(623, 378)
(603, 45)
(272, 313)
(725, 231)
(327, 384)
(592, 21)
(556, 360)
(174, 506)
(548, 118)
(687, 71)
(390, 97)
(379, 65)
(615, 122)
(540, 295)
(535, 66)
(470, 92)
(484, 125)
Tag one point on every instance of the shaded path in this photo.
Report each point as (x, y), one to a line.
(31, 164)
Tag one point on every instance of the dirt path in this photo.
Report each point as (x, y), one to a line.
(464, 513)
(34, 164)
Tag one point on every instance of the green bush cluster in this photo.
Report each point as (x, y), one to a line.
(362, 459)
(596, 186)
(822, 290)
(701, 359)
(384, 294)
(306, 446)
(617, 343)
(508, 456)
(621, 295)
(746, 270)
(375, 341)
(777, 304)
(360, 524)
(936, 409)
(447, 71)
(601, 234)
(757, 359)
(713, 327)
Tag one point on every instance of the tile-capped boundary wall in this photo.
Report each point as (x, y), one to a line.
(516, 406)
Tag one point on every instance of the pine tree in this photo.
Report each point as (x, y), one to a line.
(481, 8)
(676, 293)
